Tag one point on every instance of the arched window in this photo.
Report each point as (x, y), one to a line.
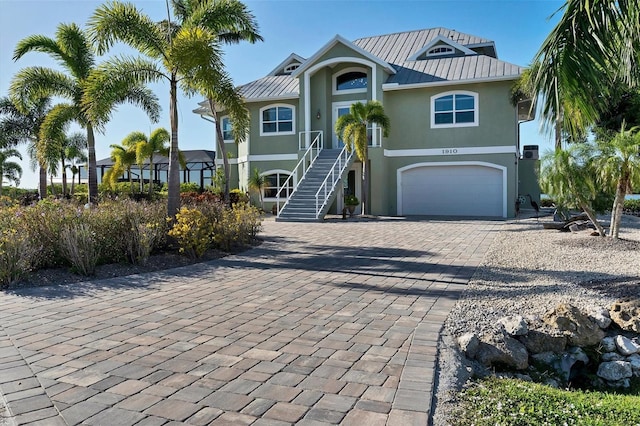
(350, 80)
(276, 179)
(440, 50)
(277, 120)
(291, 68)
(454, 109)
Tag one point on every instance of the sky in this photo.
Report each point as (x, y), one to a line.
(518, 28)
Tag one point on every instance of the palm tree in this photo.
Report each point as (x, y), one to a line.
(352, 129)
(566, 176)
(9, 170)
(72, 148)
(23, 126)
(124, 158)
(178, 51)
(76, 156)
(619, 166)
(593, 48)
(108, 86)
(146, 147)
(258, 182)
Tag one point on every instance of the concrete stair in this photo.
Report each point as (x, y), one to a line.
(302, 202)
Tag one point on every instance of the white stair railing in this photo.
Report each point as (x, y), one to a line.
(333, 177)
(291, 184)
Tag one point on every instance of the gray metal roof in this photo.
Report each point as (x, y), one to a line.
(277, 86)
(453, 69)
(195, 159)
(396, 49)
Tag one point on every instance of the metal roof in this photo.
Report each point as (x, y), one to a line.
(396, 49)
(192, 157)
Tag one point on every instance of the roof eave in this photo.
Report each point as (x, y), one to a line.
(387, 87)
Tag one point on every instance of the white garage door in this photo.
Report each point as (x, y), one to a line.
(452, 190)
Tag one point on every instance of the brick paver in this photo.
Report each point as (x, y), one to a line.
(333, 322)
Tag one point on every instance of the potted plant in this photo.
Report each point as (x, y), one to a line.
(351, 202)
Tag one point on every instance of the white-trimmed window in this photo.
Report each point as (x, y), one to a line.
(454, 109)
(440, 51)
(291, 68)
(350, 80)
(227, 129)
(277, 120)
(276, 179)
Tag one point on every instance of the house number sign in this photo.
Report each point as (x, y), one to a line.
(449, 151)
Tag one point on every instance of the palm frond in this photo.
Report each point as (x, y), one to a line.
(230, 20)
(73, 41)
(33, 83)
(53, 132)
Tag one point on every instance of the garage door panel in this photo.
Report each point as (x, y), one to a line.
(463, 190)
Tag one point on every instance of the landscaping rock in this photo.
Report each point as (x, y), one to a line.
(626, 314)
(615, 370)
(601, 317)
(468, 344)
(498, 349)
(579, 328)
(538, 341)
(514, 326)
(611, 356)
(634, 360)
(608, 344)
(626, 346)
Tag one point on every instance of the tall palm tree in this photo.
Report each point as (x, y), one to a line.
(146, 147)
(23, 126)
(178, 51)
(352, 129)
(593, 48)
(619, 166)
(566, 176)
(9, 170)
(107, 84)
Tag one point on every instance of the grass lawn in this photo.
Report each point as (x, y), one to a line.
(515, 402)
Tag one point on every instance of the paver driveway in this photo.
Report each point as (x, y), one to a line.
(323, 323)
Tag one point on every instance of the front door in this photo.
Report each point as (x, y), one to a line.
(339, 109)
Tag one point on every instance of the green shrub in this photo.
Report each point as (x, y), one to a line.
(632, 205)
(15, 255)
(79, 246)
(238, 225)
(238, 196)
(193, 232)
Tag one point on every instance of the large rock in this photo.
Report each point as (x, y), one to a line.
(615, 370)
(468, 344)
(498, 349)
(634, 360)
(538, 341)
(608, 344)
(626, 314)
(578, 327)
(514, 326)
(601, 317)
(626, 346)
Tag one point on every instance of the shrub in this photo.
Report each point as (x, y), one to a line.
(15, 256)
(238, 225)
(193, 232)
(632, 206)
(197, 197)
(80, 247)
(238, 196)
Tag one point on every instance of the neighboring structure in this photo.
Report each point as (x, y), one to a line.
(453, 149)
(200, 168)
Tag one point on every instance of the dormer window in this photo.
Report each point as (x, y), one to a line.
(350, 80)
(291, 68)
(440, 51)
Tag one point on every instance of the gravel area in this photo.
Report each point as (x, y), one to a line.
(528, 271)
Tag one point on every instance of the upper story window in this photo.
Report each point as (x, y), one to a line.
(454, 109)
(440, 50)
(277, 120)
(227, 129)
(291, 68)
(350, 80)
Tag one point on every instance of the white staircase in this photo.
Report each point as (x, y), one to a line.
(317, 189)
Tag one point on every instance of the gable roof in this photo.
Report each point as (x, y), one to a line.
(293, 58)
(397, 53)
(334, 41)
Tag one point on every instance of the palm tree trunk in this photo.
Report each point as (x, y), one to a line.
(73, 182)
(152, 176)
(64, 177)
(173, 198)
(223, 152)
(365, 183)
(618, 206)
(42, 181)
(92, 167)
(53, 188)
(591, 215)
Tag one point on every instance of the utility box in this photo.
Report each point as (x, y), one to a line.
(530, 152)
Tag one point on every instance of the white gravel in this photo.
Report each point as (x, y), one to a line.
(528, 271)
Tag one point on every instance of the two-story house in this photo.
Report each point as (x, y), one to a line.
(453, 145)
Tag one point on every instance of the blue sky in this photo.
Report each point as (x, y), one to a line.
(302, 26)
